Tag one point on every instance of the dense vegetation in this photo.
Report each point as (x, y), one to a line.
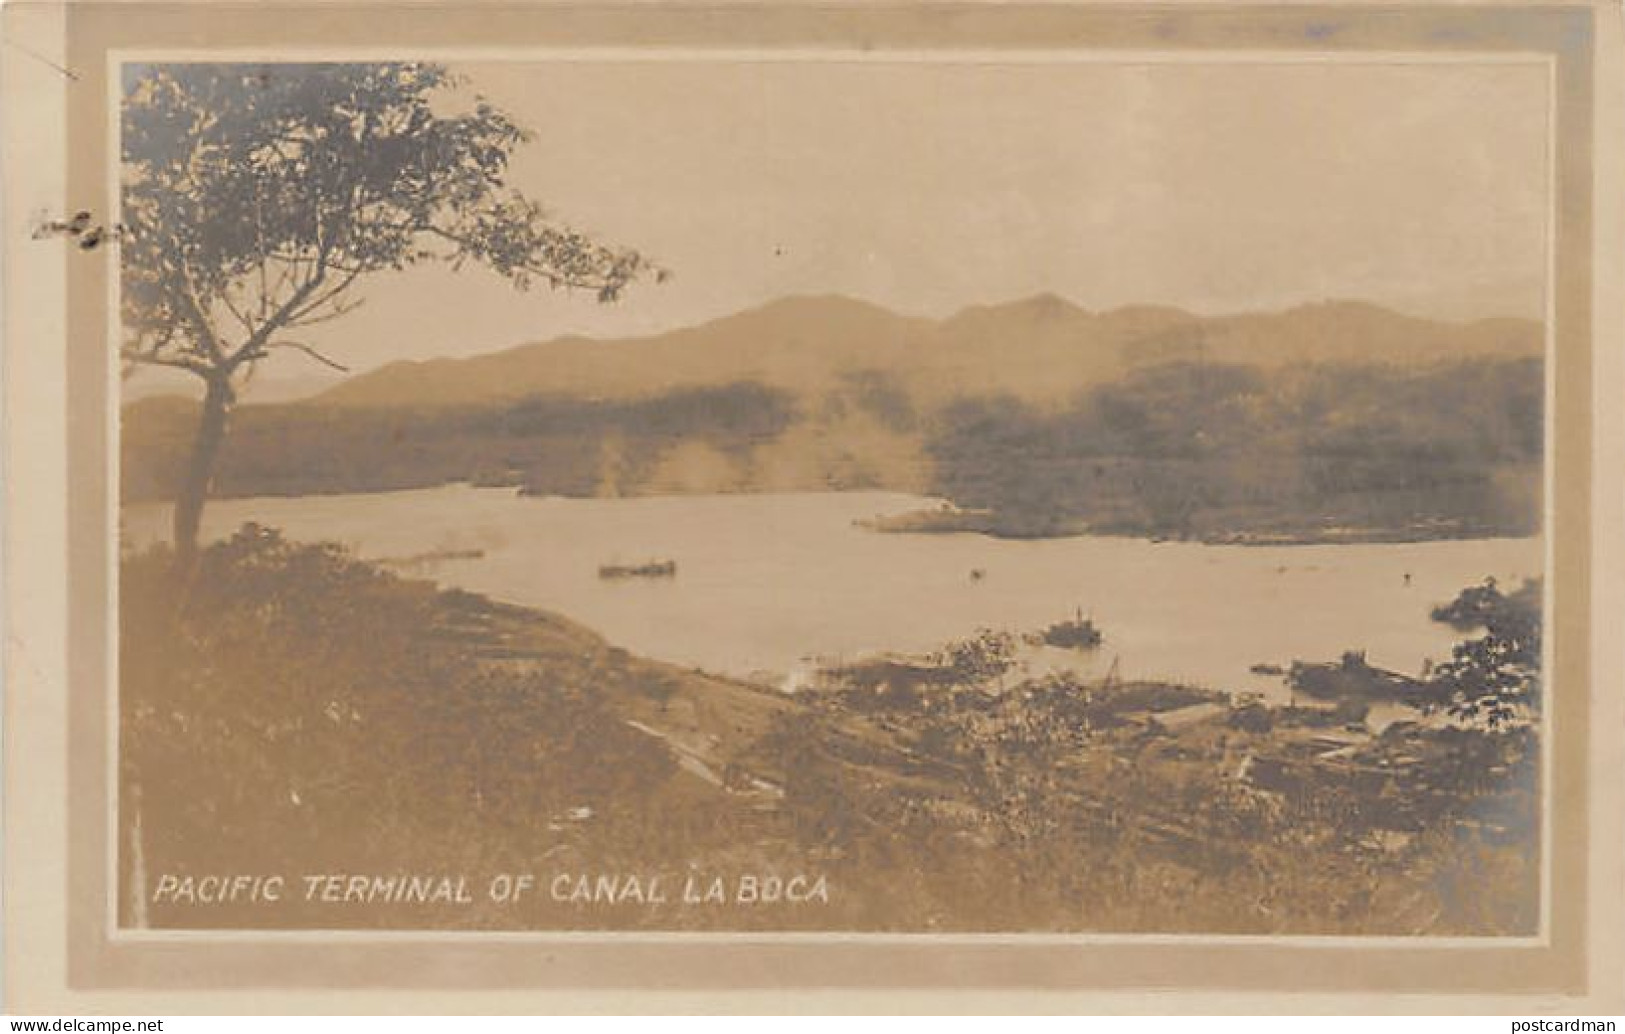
(288, 710)
(1215, 451)
(1495, 676)
(1206, 450)
(550, 445)
(290, 706)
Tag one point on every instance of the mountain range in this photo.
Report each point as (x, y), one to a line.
(1042, 348)
(1041, 417)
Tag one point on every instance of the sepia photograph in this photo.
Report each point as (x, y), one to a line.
(564, 500)
(819, 495)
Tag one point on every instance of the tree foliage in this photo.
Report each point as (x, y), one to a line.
(1494, 678)
(255, 196)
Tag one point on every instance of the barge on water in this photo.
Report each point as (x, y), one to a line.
(652, 569)
(1352, 678)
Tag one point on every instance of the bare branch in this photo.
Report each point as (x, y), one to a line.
(279, 319)
(340, 308)
(317, 302)
(145, 358)
(300, 346)
(238, 314)
(197, 312)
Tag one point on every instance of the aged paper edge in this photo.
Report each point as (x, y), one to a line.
(36, 646)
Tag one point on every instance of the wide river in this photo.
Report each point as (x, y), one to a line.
(769, 585)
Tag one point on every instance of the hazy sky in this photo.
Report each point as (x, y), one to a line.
(929, 186)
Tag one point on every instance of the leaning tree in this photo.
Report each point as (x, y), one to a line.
(256, 197)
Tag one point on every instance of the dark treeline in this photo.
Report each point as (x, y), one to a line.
(1196, 450)
(1182, 449)
(548, 445)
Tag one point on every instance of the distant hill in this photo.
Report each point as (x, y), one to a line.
(1039, 348)
(795, 342)
(1040, 418)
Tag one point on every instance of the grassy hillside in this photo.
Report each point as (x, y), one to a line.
(289, 711)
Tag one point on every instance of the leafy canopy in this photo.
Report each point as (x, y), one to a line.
(1494, 678)
(255, 195)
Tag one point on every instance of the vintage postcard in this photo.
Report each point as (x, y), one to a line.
(1068, 497)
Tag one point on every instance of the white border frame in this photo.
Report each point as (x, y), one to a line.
(607, 55)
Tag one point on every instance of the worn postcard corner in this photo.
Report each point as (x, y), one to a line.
(880, 499)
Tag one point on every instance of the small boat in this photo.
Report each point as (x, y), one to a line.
(652, 569)
(1078, 633)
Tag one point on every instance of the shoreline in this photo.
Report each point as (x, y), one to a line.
(946, 519)
(990, 524)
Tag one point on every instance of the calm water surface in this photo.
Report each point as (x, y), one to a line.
(768, 585)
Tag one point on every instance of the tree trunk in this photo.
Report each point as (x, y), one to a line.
(211, 432)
